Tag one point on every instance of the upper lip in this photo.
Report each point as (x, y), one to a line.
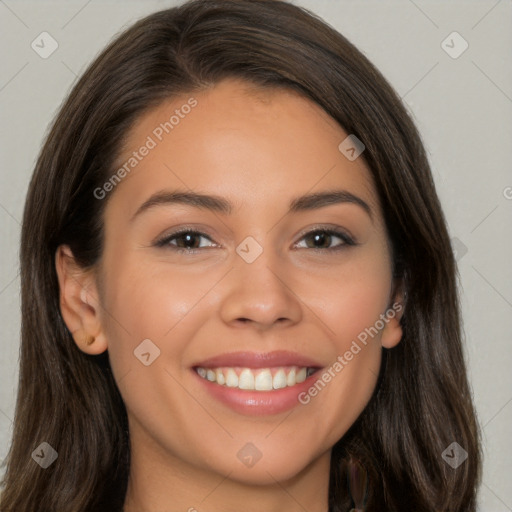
(258, 360)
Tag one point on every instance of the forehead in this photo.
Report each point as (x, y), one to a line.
(240, 141)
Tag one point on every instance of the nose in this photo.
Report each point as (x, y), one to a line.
(260, 294)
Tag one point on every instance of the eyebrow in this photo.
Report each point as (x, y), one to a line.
(222, 205)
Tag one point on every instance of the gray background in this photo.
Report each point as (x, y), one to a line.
(461, 105)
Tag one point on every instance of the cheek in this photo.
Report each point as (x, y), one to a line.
(150, 301)
(149, 288)
(351, 296)
(350, 301)
(157, 303)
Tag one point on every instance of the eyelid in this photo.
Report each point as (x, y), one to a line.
(163, 241)
(333, 230)
(347, 239)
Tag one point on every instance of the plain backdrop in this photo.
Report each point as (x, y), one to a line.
(460, 100)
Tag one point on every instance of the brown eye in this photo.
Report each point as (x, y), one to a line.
(319, 240)
(323, 238)
(186, 241)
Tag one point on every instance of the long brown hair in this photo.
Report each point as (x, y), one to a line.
(422, 402)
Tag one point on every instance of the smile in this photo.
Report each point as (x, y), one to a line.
(261, 379)
(256, 384)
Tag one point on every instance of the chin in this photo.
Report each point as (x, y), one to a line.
(280, 467)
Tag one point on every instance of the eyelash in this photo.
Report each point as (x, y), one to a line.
(347, 240)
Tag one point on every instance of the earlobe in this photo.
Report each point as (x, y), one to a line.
(79, 303)
(393, 332)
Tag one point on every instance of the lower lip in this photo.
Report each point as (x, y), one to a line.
(258, 403)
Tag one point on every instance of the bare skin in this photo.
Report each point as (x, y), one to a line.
(258, 150)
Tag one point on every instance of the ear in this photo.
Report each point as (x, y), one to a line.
(79, 303)
(392, 331)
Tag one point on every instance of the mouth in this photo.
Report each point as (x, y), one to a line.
(262, 379)
(257, 383)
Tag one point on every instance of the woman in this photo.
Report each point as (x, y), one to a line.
(238, 288)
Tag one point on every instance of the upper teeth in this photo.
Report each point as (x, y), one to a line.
(261, 379)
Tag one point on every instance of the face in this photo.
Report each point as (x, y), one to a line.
(241, 318)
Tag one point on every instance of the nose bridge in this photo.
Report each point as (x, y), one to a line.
(258, 290)
(260, 271)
